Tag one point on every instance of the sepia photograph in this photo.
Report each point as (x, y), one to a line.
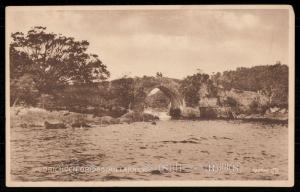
(177, 95)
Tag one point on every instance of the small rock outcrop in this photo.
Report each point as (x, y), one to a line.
(80, 124)
(54, 125)
(106, 119)
(137, 116)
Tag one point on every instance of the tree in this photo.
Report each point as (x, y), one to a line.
(191, 86)
(53, 60)
(123, 91)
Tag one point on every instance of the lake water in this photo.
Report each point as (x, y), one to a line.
(169, 150)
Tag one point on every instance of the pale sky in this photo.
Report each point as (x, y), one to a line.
(174, 42)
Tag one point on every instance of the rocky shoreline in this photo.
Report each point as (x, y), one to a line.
(37, 117)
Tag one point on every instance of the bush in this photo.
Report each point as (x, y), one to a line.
(117, 112)
(254, 107)
(231, 102)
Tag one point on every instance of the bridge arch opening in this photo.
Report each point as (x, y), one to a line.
(172, 108)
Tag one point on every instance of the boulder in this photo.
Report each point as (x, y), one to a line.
(283, 111)
(106, 119)
(138, 116)
(109, 120)
(190, 112)
(54, 125)
(125, 120)
(274, 109)
(115, 121)
(133, 116)
(153, 123)
(80, 124)
(149, 117)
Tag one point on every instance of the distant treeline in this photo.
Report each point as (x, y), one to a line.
(270, 80)
(115, 97)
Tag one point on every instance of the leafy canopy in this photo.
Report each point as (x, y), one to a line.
(54, 60)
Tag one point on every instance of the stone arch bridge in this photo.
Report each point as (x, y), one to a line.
(170, 87)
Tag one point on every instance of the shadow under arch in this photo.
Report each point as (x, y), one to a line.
(176, 101)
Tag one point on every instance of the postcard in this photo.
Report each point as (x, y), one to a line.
(177, 95)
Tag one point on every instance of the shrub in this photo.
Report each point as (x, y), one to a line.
(254, 107)
(231, 102)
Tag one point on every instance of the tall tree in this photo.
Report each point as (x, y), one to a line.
(53, 60)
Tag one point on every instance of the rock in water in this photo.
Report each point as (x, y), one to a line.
(75, 125)
(115, 121)
(106, 119)
(54, 125)
(149, 117)
(125, 120)
(138, 116)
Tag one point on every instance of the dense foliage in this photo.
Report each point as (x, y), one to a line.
(112, 98)
(23, 89)
(52, 60)
(270, 80)
(196, 86)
